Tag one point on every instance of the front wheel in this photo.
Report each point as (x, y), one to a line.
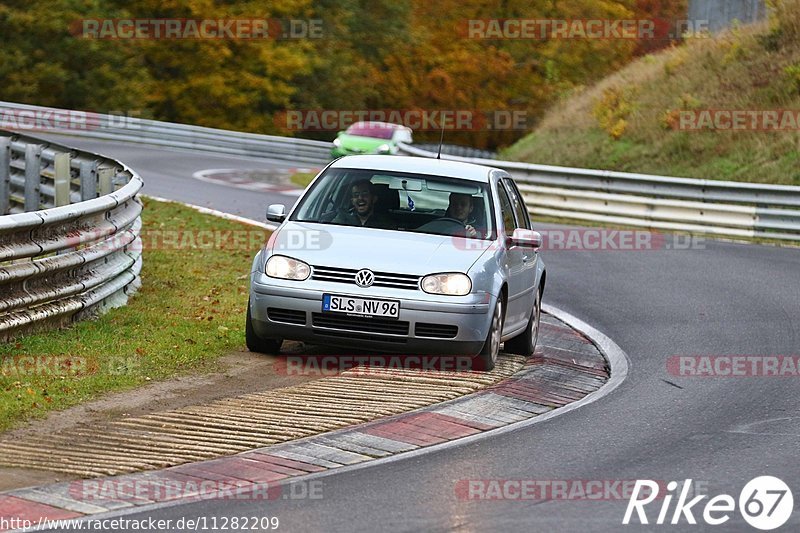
(256, 343)
(486, 360)
(525, 342)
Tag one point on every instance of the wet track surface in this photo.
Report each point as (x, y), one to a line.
(715, 298)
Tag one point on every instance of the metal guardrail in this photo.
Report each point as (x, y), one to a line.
(455, 149)
(674, 204)
(157, 133)
(711, 207)
(69, 234)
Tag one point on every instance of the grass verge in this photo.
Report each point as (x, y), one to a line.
(302, 179)
(631, 121)
(189, 311)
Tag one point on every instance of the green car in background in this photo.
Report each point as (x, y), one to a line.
(370, 138)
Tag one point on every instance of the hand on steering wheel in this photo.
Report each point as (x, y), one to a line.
(450, 219)
(470, 231)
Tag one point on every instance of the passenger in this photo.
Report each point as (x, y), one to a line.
(362, 213)
(460, 208)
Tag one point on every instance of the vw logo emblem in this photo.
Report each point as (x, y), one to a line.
(365, 278)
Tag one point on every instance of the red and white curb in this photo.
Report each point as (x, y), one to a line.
(572, 367)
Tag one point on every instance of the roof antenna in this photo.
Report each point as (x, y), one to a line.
(441, 138)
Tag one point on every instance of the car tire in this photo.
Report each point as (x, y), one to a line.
(486, 360)
(525, 343)
(256, 343)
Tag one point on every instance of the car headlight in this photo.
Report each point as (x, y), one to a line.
(384, 149)
(282, 267)
(455, 284)
(336, 142)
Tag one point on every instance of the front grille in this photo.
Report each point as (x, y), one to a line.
(437, 331)
(360, 336)
(358, 324)
(382, 279)
(288, 316)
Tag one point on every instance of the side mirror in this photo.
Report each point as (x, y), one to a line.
(276, 213)
(526, 238)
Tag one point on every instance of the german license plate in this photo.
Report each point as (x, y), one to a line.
(360, 306)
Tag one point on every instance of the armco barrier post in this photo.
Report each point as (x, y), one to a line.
(109, 278)
(33, 176)
(88, 180)
(5, 175)
(62, 179)
(105, 177)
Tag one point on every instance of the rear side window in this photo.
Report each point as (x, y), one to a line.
(520, 210)
(506, 210)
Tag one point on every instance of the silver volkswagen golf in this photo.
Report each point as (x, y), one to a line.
(401, 254)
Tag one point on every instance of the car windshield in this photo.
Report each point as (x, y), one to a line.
(399, 201)
(378, 131)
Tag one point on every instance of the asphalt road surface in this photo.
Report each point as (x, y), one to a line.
(714, 298)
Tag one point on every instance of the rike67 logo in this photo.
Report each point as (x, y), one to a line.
(765, 503)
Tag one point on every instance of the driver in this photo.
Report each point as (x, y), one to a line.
(460, 208)
(363, 200)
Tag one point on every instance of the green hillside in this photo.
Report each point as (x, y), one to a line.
(631, 121)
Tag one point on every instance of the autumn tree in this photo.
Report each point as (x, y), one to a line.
(371, 55)
(43, 62)
(671, 19)
(224, 83)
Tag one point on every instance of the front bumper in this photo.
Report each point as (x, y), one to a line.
(427, 324)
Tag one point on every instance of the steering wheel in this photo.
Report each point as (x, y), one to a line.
(450, 220)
